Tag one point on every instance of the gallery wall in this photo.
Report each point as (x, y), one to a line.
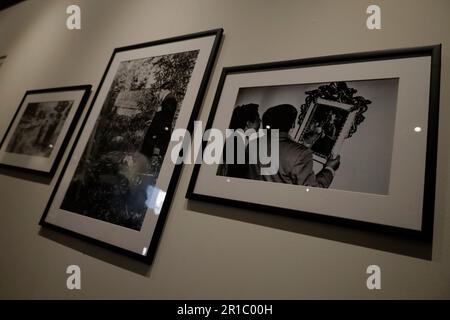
(212, 251)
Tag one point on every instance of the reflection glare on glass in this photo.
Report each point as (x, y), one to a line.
(418, 129)
(155, 199)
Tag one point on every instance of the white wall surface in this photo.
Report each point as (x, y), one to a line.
(211, 251)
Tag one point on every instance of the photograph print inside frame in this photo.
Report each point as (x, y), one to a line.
(117, 186)
(39, 128)
(353, 120)
(356, 133)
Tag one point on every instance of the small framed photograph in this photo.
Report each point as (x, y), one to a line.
(356, 140)
(41, 128)
(117, 185)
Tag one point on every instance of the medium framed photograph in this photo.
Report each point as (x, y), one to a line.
(118, 183)
(41, 128)
(356, 139)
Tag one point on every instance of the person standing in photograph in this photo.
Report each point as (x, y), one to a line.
(245, 117)
(52, 125)
(295, 159)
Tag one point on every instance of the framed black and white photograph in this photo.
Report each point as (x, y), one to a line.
(41, 128)
(356, 136)
(117, 186)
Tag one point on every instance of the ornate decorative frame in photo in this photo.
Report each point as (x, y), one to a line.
(41, 128)
(117, 184)
(336, 95)
(388, 145)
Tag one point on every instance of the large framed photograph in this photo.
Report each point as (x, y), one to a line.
(41, 128)
(117, 185)
(356, 139)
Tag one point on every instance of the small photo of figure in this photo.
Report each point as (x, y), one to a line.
(39, 128)
(116, 178)
(323, 129)
(324, 141)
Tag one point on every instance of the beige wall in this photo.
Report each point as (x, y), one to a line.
(209, 251)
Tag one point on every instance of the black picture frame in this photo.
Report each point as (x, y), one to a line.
(426, 232)
(154, 238)
(86, 89)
